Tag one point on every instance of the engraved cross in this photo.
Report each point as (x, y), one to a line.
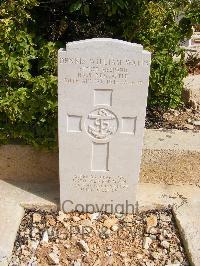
(101, 124)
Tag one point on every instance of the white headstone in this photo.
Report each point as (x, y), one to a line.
(102, 96)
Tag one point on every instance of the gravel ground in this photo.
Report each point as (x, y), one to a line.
(183, 119)
(146, 239)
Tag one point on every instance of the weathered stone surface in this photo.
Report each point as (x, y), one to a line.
(191, 92)
(103, 85)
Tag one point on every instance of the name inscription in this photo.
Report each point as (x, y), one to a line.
(102, 71)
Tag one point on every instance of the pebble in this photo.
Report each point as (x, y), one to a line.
(128, 219)
(110, 222)
(165, 244)
(115, 227)
(188, 126)
(151, 222)
(51, 222)
(147, 242)
(25, 252)
(53, 258)
(176, 113)
(67, 246)
(119, 215)
(161, 237)
(55, 248)
(166, 234)
(139, 256)
(62, 217)
(50, 231)
(153, 237)
(87, 223)
(153, 231)
(33, 262)
(62, 236)
(34, 245)
(34, 232)
(36, 218)
(83, 245)
(165, 218)
(196, 123)
(95, 215)
(76, 218)
(45, 237)
(104, 232)
(155, 255)
(77, 262)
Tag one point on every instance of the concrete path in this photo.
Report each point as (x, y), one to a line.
(166, 139)
(188, 222)
(184, 199)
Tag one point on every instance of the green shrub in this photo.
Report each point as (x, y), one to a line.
(160, 32)
(31, 32)
(28, 83)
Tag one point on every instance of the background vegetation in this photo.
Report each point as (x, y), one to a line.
(31, 32)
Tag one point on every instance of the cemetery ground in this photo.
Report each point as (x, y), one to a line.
(146, 238)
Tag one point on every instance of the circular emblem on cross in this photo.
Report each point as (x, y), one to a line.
(101, 124)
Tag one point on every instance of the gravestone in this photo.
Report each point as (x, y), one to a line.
(102, 96)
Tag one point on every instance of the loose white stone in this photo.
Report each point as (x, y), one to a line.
(196, 123)
(102, 96)
(61, 217)
(45, 237)
(165, 218)
(95, 216)
(36, 218)
(155, 255)
(153, 231)
(77, 262)
(139, 256)
(115, 227)
(67, 246)
(53, 258)
(34, 245)
(165, 244)
(147, 242)
(76, 219)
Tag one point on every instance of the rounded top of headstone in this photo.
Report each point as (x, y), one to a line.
(102, 42)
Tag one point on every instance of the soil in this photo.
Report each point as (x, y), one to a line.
(183, 119)
(79, 239)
